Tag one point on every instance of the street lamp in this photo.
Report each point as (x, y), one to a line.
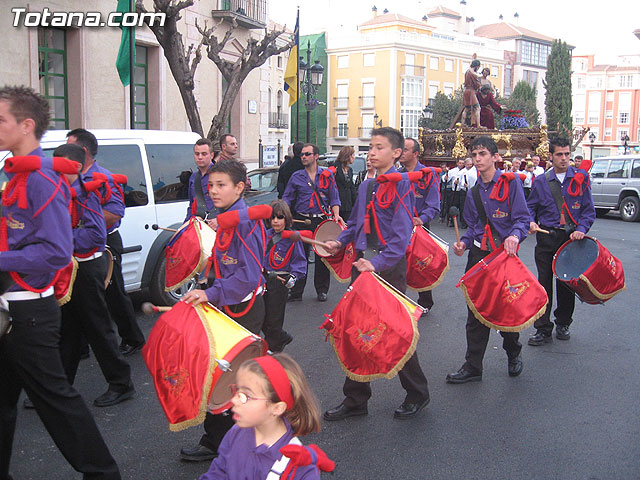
(427, 115)
(376, 122)
(625, 139)
(311, 81)
(592, 139)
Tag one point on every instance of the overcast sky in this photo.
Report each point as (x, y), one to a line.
(603, 28)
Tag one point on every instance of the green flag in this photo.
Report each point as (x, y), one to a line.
(123, 62)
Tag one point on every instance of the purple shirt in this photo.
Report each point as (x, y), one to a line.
(297, 264)
(115, 203)
(240, 459)
(543, 207)
(240, 273)
(510, 217)
(427, 197)
(210, 207)
(395, 222)
(91, 231)
(40, 246)
(299, 192)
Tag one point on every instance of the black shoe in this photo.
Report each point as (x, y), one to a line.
(111, 397)
(286, 339)
(515, 366)
(28, 404)
(408, 410)
(540, 338)
(562, 332)
(341, 412)
(294, 298)
(463, 376)
(199, 453)
(126, 349)
(322, 297)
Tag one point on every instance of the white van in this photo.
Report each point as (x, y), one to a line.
(157, 165)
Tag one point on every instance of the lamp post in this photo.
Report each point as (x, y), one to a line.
(592, 139)
(376, 122)
(625, 139)
(311, 81)
(427, 115)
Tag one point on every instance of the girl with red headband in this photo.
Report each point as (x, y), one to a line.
(272, 403)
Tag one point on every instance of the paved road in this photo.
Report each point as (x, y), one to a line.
(573, 413)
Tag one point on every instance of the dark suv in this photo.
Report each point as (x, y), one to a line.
(615, 184)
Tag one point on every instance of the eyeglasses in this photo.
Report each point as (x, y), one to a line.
(243, 397)
(306, 154)
(279, 217)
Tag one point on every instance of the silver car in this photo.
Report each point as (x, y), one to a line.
(615, 185)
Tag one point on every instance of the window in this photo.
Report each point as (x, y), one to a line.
(411, 104)
(624, 107)
(369, 59)
(279, 96)
(580, 83)
(343, 96)
(343, 61)
(494, 71)
(635, 172)
(141, 89)
(622, 133)
(434, 63)
(623, 118)
(507, 80)
(410, 60)
(596, 132)
(617, 169)
(595, 82)
(433, 90)
(448, 65)
(343, 129)
(531, 77)
(578, 117)
(607, 133)
(625, 81)
(608, 114)
(279, 61)
(367, 125)
(465, 66)
(127, 160)
(534, 53)
(52, 61)
(169, 183)
(368, 95)
(448, 90)
(599, 168)
(594, 107)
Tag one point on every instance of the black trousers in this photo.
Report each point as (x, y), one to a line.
(275, 302)
(546, 248)
(86, 315)
(412, 377)
(321, 275)
(216, 426)
(30, 359)
(425, 299)
(478, 334)
(448, 203)
(118, 302)
(460, 198)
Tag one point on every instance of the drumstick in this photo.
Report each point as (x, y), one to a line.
(149, 308)
(295, 236)
(542, 231)
(306, 222)
(281, 279)
(156, 227)
(454, 212)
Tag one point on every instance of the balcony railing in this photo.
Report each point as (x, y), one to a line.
(278, 120)
(341, 131)
(364, 132)
(367, 102)
(248, 13)
(340, 103)
(415, 70)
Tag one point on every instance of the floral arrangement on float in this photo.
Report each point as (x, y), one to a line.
(513, 120)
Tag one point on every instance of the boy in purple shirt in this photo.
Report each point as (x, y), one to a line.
(40, 243)
(508, 221)
(382, 251)
(572, 219)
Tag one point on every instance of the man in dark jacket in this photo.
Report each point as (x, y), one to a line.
(288, 167)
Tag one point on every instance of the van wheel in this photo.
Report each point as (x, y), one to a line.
(629, 209)
(156, 289)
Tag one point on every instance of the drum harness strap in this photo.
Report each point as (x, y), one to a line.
(561, 204)
(324, 182)
(273, 263)
(199, 206)
(76, 205)
(489, 230)
(429, 179)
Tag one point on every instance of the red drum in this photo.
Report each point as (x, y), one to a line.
(327, 230)
(341, 263)
(589, 269)
(187, 252)
(502, 293)
(64, 280)
(427, 260)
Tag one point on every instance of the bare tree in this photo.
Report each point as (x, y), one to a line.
(184, 62)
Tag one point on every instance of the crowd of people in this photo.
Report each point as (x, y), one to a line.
(257, 269)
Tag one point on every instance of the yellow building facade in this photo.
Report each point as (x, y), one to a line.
(386, 74)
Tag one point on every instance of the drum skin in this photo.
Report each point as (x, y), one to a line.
(327, 230)
(589, 269)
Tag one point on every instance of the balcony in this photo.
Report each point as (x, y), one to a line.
(278, 120)
(341, 103)
(364, 132)
(250, 14)
(412, 70)
(367, 102)
(341, 131)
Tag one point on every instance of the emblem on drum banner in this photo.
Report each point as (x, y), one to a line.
(177, 381)
(612, 264)
(173, 262)
(372, 337)
(516, 290)
(499, 214)
(227, 260)
(424, 263)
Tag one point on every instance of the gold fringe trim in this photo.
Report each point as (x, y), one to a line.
(196, 271)
(489, 324)
(597, 294)
(74, 272)
(335, 275)
(436, 283)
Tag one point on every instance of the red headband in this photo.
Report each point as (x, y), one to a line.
(278, 378)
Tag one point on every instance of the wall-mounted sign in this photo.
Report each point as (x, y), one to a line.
(253, 106)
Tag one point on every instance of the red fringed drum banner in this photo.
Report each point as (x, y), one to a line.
(373, 329)
(340, 264)
(427, 260)
(502, 293)
(589, 269)
(64, 280)
(193, 354)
